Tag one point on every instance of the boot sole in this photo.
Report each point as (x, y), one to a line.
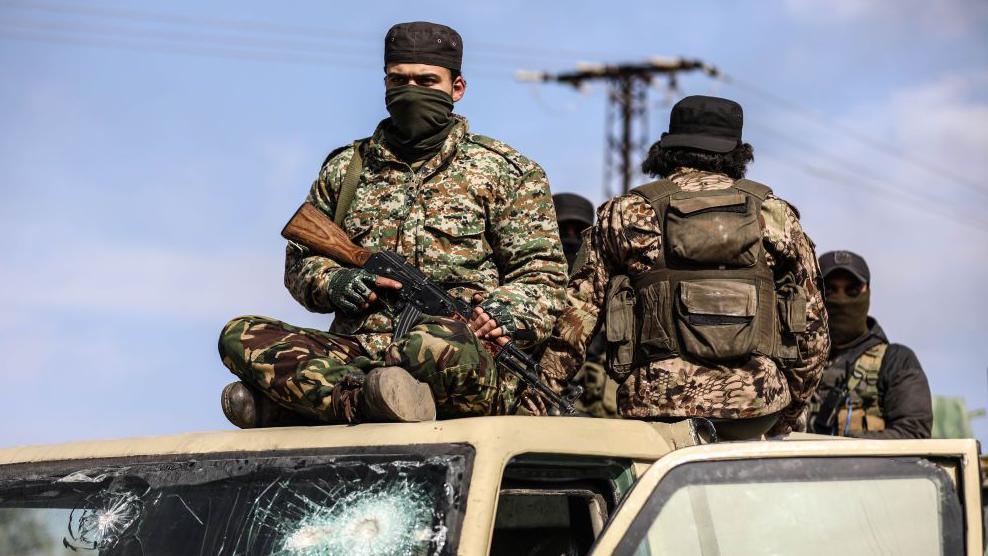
(398, 396)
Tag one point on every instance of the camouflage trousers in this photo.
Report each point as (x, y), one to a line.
(308, 370)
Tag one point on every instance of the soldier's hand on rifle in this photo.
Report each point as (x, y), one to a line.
(491, 320)
(350, 289)
(534, 403)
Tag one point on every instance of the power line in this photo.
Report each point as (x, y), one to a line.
(862, 173)
(626, 122)
(508, 52)
(878, 189)
(199, 51)
(322, 47)
(202, 45)
(857, 135)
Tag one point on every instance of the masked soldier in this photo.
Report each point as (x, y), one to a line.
(706, 285)
(469, 211)
(870, 388)
(599, 398)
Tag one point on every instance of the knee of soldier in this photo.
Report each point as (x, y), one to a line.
(231, 337)
(441, 343)
(444, 334)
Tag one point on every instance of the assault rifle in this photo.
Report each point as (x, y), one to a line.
(313, 229)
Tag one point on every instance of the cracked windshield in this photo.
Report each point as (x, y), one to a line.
(365, 505)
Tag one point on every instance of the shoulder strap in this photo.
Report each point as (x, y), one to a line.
(350, 182)
(654, 191)
(657, 194)
(753, 188)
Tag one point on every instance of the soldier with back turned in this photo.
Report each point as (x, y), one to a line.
(707, 287)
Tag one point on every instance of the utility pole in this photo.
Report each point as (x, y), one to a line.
(626, 134)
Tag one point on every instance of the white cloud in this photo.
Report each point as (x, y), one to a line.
(946, 17)
(942, 120)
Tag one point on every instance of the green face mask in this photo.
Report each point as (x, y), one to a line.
(848, 317)
(421, 118)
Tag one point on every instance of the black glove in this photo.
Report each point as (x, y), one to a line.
(349, 289)
(498, 311)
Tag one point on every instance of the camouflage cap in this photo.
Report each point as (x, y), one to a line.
(847, 261)
(570, 206)
(421, 42)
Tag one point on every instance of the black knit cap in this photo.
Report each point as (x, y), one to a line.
(573, 207)
(706, 123)
(421, 42)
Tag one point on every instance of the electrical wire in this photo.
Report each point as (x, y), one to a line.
(196, 44)
(863, 138)
(850, 181)
(507, 52)
(313, 45)
(862, 173)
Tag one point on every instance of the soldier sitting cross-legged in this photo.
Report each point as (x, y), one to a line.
(470, 212)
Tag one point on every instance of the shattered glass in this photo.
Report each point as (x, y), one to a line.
(380, 503)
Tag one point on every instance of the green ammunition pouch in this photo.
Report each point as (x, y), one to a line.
(711, 295)
(864, 412)
(853, 406)
(619, 325)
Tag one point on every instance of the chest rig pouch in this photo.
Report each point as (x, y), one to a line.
(711, 296)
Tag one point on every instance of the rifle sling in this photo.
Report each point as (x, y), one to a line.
(350, 182)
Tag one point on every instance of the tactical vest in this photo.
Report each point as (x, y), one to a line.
(862, 409)
(712, 295)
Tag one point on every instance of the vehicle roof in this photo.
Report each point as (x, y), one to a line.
(505, 435)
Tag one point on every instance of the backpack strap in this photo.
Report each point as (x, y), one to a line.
(350, 182)
(655, 191)
(753, 188)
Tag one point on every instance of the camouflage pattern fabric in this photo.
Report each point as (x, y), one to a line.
(477, 218)
(627, 240)
(599, 397)
(315, 373)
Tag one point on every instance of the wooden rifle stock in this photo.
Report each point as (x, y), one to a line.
(313, 229)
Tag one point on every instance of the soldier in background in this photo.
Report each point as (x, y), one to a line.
(707, 286)
(870, 387)
(469, 211)
(599, 398)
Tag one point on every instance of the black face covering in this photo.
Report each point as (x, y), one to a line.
(848, 318)
(421, 118)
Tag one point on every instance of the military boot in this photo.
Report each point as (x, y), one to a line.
(249, 409)
(391, 394)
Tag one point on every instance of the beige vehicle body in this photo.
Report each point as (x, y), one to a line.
(492, 485)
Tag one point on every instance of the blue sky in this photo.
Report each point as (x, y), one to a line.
(150, 155)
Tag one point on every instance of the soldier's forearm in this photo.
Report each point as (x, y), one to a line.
(307, 279)
(534, 307)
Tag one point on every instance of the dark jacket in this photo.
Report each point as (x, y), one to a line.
(903, 391)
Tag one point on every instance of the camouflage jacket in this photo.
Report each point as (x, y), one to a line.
(477, 217)
(627, 240)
